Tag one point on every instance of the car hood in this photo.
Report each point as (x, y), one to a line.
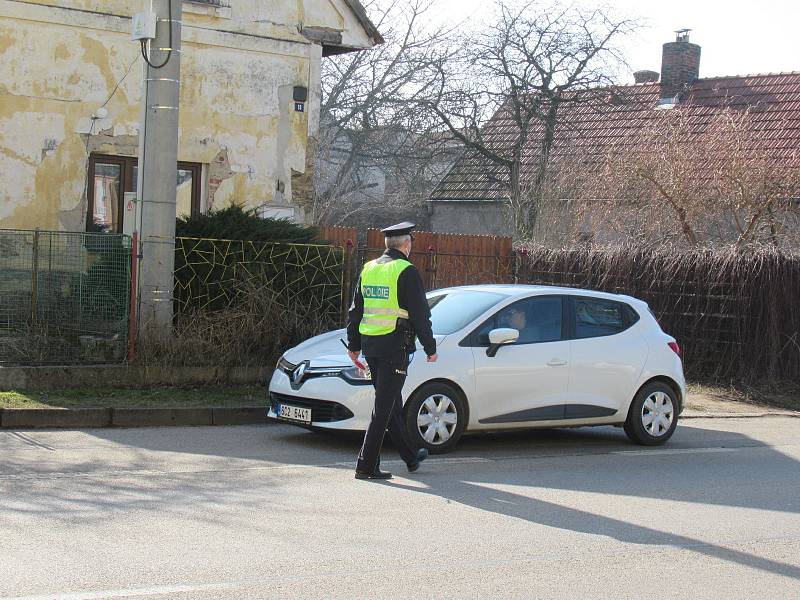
(326, 350)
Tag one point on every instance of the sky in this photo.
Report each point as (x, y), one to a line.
(736, 37)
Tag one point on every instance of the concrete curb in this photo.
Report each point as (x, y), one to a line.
(160, 417)
(19, 418)
(751, 415)
(87, 418)
(242, 415)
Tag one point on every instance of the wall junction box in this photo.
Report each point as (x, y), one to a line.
(143, 26)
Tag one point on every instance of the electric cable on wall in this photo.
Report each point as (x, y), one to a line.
(90, 133)
(169, 50)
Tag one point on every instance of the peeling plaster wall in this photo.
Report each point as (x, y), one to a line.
(60, 60)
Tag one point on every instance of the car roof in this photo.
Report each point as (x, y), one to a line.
(520, 290)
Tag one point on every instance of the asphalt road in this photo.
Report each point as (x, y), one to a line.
(274, 512)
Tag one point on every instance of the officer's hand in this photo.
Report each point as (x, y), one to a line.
(353, 356)
(433, 357)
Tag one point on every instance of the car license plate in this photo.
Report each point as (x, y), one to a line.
(294, 413)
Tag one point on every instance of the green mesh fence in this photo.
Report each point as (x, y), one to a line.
(64, 297)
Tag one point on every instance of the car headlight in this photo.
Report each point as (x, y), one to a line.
(356, 374)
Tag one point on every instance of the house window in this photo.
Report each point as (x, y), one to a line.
(215, 8)
(188, 197)
(105, 192)
(111, 176)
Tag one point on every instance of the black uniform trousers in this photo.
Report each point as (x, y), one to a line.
(388, 377)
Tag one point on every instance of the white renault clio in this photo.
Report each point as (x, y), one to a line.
(510, 357)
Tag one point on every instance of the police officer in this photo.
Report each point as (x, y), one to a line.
(389, 308)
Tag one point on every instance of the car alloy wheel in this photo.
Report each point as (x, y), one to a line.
(437, 419)
(436, 416)
(653, 414)
(657, 414)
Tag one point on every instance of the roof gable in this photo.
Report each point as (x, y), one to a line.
(616, 114)
(339, 26)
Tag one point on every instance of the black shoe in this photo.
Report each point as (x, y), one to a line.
(422, 454)
(374, 475)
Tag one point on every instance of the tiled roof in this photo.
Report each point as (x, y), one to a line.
(614, 116)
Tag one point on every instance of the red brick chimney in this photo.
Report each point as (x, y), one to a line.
(645, 76)
(680, 65)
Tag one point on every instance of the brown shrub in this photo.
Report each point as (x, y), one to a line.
(251, 332)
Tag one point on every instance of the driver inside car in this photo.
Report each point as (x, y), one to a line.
(514, 318)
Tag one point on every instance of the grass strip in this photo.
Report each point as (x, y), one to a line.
(157, 397)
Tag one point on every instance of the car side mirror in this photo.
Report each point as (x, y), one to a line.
(501, 337)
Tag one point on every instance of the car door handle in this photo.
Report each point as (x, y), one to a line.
(556, 362)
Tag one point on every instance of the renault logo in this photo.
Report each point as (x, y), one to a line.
(298, 374)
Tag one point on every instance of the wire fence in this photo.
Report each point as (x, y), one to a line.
(243, 303)
(213, 274)
(64, 297)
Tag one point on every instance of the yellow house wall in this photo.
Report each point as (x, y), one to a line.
(58, 65)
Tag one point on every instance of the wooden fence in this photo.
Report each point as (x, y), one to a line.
(442, 259)
(446, 260)
(342, 237)
(734, 314)
(345, 238)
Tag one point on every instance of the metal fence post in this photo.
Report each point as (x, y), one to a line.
(35, 279)
(432, 266)
(132, 312)
(347, 277)
(515, 266)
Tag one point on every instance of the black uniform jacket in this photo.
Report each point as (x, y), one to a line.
(411, 297)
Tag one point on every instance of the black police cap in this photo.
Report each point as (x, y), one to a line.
(403, 228)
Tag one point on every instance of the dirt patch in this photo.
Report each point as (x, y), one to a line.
(729, 400)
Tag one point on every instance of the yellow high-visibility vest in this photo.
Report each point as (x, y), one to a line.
(379, 289)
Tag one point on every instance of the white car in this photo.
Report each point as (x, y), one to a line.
(510, 357)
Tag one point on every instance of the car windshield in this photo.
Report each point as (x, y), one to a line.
(454, 310)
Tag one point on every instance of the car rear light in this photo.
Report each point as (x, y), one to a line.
(675, 348)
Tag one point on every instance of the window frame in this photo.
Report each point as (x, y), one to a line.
(94, 159)
(629, 316)
(472, 341)
(127, 183)
(197, 173)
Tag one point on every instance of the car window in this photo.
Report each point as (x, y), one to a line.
(455, 310)
(595, 317)
(537, 320)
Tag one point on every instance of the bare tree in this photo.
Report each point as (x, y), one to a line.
(718, 183)
(503, 92)
(757, 192)
(376, 151)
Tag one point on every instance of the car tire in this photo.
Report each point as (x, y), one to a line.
(436, 416)
(653, 415)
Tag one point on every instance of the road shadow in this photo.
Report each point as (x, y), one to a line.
(726, 471)
(289, 445)
(573, 460)
(557, 516)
